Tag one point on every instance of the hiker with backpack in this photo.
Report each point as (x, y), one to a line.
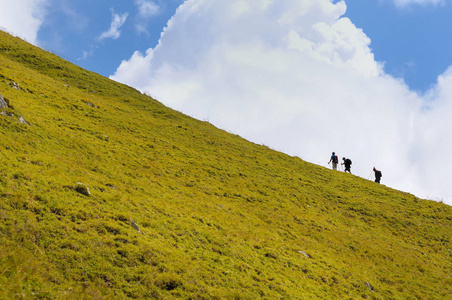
(378, 175)
(348, 164)
(334, 160)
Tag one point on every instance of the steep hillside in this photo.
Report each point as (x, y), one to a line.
(214, 216)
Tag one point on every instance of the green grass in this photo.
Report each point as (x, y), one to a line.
(222, 218)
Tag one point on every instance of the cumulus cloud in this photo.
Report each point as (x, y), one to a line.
(116, 23)
(299, 77)
(23, 18)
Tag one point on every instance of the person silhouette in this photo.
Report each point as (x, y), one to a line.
(334, 160)
(348, 164)
(378, 175)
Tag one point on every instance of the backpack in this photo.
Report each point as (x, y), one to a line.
(335, 159)
(378, 174)
(348, 161)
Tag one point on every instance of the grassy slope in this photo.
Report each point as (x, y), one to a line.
(222, 218)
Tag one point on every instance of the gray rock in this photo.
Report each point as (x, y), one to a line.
(5, 113)
(304, 253)
(135, 226)
(22, 120)
(3, 103)
(90, 104)
(82, 189)
(370, 287)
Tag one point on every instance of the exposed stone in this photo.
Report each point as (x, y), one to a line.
(82, 189)
(304, 253)
(90, 104)
(22, 120)
(5, 113)
(3, 103)
(369, 286)
(135, 226)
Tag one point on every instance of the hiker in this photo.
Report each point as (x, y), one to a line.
(378, 175)
(347, 163)
(335, 160)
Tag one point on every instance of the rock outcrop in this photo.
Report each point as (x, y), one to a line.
(3, 103)
(82, 189)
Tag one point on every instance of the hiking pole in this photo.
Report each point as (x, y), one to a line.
(368, 178)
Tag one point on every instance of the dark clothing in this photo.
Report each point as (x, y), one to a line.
(377, 176)
(348, 164)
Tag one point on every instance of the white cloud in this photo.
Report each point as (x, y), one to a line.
(116, 24)
(300, 78)
(147, 9)
(23, 18)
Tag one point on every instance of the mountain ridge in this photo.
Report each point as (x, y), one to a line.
(219, 217)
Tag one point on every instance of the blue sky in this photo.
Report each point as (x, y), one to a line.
(413, 41)
(368, 79)
(72, 30)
